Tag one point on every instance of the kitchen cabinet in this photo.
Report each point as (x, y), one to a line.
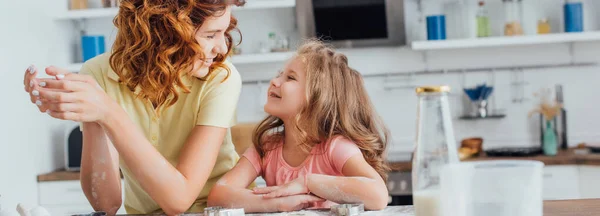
(588, 179)
(561, 182)
(66, 198)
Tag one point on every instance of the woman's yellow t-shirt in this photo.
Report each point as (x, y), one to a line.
(212, 103)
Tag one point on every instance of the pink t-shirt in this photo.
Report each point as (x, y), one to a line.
(327, 158)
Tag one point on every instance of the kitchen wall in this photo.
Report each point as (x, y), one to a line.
(32, 142)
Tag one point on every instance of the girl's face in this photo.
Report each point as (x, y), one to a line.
(211, 37)
(286, 94)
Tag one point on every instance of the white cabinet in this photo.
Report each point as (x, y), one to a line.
(66, 198)
(589, 179)
(561, 182)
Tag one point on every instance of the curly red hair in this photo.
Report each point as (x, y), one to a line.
(155, 44)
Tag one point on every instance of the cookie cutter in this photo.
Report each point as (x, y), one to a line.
(347, 209)
(220, 211)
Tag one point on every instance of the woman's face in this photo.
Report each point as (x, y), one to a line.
(211, 37)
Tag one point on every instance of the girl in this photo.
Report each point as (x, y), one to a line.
(321, 144)
(158, 107)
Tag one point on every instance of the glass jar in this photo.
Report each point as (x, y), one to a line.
(435, 147)
(512, 17)
(78, 4)
(543, 26)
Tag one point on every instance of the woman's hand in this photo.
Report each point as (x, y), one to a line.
(296, 202)
(295, 187)
(29, 82)
(72, 96)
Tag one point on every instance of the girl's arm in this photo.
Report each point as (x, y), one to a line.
(100, 177)
(360, 184)
(231, 192)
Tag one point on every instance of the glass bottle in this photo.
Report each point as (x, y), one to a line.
(435, 147)
(512, 17)
(483, 21)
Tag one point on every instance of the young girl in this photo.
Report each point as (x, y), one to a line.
(321, 144)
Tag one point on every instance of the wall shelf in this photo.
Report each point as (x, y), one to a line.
(506, 41)
(236, 59)
(93, 13)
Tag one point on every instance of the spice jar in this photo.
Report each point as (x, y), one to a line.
(78, 4)
(512, 17)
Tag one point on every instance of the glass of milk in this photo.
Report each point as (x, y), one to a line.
(491, 188)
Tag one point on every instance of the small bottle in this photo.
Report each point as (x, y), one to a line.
(272, 42)
(483, 21)
(435, 147)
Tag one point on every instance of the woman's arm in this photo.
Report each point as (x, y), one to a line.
(360, 184)
(174, 189)
(100, 177)
(231, 192)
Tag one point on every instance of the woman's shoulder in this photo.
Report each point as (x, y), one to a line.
(97, 65)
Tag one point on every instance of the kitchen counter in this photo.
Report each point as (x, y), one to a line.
(581, 207)
(563, 157)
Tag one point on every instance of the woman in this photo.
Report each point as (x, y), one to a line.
(159, 106)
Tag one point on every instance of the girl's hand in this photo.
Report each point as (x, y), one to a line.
(296, 202)
(295, 187)
(73, 97)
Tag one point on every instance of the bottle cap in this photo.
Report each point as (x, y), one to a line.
(443, 88)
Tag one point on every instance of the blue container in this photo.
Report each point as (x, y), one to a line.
(573, 13)
(91, 46)
(436, 27)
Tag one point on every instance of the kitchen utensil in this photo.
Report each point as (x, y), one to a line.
(220, 211)
(435, 147)
(492, 188)
(347, 209)
(478, 96)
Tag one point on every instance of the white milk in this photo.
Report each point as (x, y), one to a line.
(427, 203)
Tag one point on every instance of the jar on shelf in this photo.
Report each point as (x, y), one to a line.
(78, 4)
(512, 17)
(110, 3)
(573, 15)
(543, 26)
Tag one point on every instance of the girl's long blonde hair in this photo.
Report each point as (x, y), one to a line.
(336, 104)
(155, 44)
